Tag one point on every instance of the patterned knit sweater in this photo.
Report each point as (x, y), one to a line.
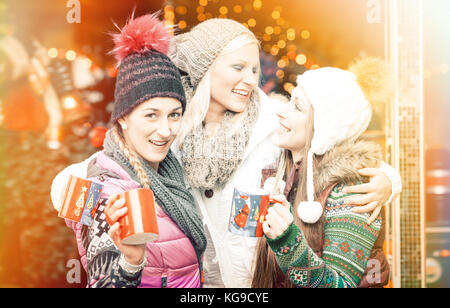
(348, 241)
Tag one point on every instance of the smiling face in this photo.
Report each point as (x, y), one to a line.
(295, 127)
(234, 76)
(152, 127)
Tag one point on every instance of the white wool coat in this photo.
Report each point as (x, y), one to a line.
(235, 254)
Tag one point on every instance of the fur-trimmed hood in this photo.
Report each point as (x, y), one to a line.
(341, 164)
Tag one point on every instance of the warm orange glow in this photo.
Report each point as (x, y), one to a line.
(69, 102)
(168, 23)
(274, 50)
(71, 55)
(181, 10)
(288, 87)
(305, 34)
(237, 9)
(281, 63)
(301, 59)
(445, 253)
(257, 5)
(223, 10)
(52, 52)
(276, 14)
(269, 30)
(280, 74)
(168, 8)
(290, 34)
(252, 22)
(292, 55)
(281, 44)
(201, 17)
(182, 24)
(170, 15)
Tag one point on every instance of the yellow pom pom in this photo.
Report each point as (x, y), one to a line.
(376, 80)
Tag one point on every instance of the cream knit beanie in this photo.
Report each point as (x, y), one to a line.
(341, 101)
(194, 52)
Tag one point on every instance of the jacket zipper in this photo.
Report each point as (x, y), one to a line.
(163, 282)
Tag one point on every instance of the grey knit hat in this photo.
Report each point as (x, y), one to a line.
(194, 52)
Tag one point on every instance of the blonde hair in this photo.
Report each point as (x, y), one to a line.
(131, 155)
(198, 105)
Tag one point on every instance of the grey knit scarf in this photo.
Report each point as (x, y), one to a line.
(210, 161)
(170, 190)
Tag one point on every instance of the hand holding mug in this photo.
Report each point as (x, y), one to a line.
(115, 209)
(278, 218)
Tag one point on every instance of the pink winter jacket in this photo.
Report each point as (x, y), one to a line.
(171, 260)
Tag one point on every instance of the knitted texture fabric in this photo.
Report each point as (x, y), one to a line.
(194, 52)
(341, 111)
(142, 77)
(348, 241)
(210, 161)
(103, 268)
(171, 193)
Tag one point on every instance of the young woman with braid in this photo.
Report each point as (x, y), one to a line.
(149, 104)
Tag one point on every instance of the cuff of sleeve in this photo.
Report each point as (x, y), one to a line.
(131, 268)
(290, 238)
(395, 179)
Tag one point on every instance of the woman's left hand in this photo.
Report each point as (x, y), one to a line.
(278, 218)
(371, 196)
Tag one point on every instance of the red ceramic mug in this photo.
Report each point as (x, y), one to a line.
(139, 225)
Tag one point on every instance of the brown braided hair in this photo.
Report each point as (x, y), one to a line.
(131, 155)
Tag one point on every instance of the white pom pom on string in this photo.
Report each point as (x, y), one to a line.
(309, 212)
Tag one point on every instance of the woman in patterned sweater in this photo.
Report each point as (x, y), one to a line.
(324, 243)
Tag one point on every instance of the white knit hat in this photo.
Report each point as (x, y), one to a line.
(341, 113)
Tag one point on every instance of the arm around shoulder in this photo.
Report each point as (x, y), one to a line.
(393, 176)
(60, 181)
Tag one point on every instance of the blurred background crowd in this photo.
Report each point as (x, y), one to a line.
(57, 84)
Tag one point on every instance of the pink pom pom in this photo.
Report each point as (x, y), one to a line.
(141, 35)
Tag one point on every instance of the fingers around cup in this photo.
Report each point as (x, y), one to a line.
(113, 232)
(281, 199)
(113, 214)
(117, 203)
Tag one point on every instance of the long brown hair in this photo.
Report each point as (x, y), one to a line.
(267, 273)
